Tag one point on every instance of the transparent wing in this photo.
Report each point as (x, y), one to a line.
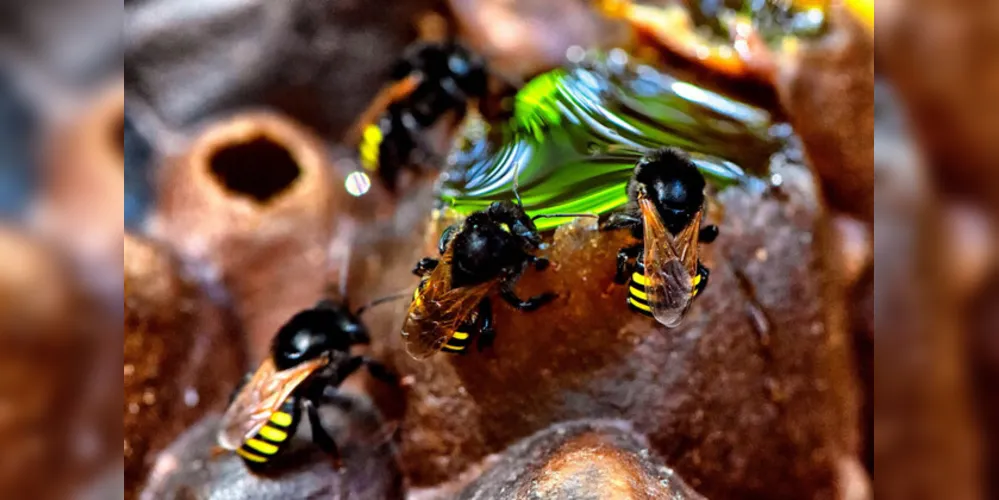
(389, 94)
(438, 310)
(259, 399)
(670, 264)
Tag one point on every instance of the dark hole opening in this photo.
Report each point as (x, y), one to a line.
(260, 169)
(118, 139)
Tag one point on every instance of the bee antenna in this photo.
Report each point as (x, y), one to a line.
(379, 301)
(516, 185)
(556, 216)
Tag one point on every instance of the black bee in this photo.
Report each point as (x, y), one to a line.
(487, 252)
(430, 80)
(309, 355)
(666, 204)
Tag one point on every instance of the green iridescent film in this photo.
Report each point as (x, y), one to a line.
(577, 133)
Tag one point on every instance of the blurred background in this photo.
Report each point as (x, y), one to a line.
(899, 136)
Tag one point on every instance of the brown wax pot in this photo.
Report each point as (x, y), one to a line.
(588, 459)
(180, 359)
(249, 204)
(751, 397)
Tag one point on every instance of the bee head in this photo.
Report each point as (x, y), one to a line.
(440, 61)
(468, 70)
(491, 242)
(673, 183)
(314, 332)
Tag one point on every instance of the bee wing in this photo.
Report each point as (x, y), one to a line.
(259, 399)
(670, 264)
(438, 310)
(685, 244)
(392, 92)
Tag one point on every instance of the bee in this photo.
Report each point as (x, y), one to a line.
(484, 254)
(310, 357)
(665, 209)
(430, 80)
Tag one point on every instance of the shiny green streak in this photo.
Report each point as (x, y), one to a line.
(577, 133)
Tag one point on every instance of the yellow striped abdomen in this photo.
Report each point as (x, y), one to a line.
(273, 437)
(459, 341)
(638, 297)
(370, 146)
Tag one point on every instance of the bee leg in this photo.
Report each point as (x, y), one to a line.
(375, 368)
(346, 368)
(624, 265)
(487, 334)
(425, 266)
(531, 304)
(621, 220)
(380, 372)
(319, 435)
(325, 304)
(540, 263)
(428, 157)
(702, 273)
(708, 234)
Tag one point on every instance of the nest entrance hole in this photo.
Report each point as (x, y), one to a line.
(117, 139)
(260, 169)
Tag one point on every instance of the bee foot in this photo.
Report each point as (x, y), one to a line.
(541, 263)
(486, 339)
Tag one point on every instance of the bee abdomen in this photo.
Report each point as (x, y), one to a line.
(458, 342)
(638, 298)
(272, 437)
(370, 147)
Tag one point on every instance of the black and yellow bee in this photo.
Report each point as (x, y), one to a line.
(310, 355)
(484, 254)
(430, 80)
(487, 253)
(666, 203)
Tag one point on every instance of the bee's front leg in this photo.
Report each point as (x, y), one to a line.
(707, 234)
(487, 334)
(381, 372)
(539, 263)
(531, 304)
(625, 266)
(425, 266)
(320, 437)
(702, 278)
(621, 220)
(377, 370)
